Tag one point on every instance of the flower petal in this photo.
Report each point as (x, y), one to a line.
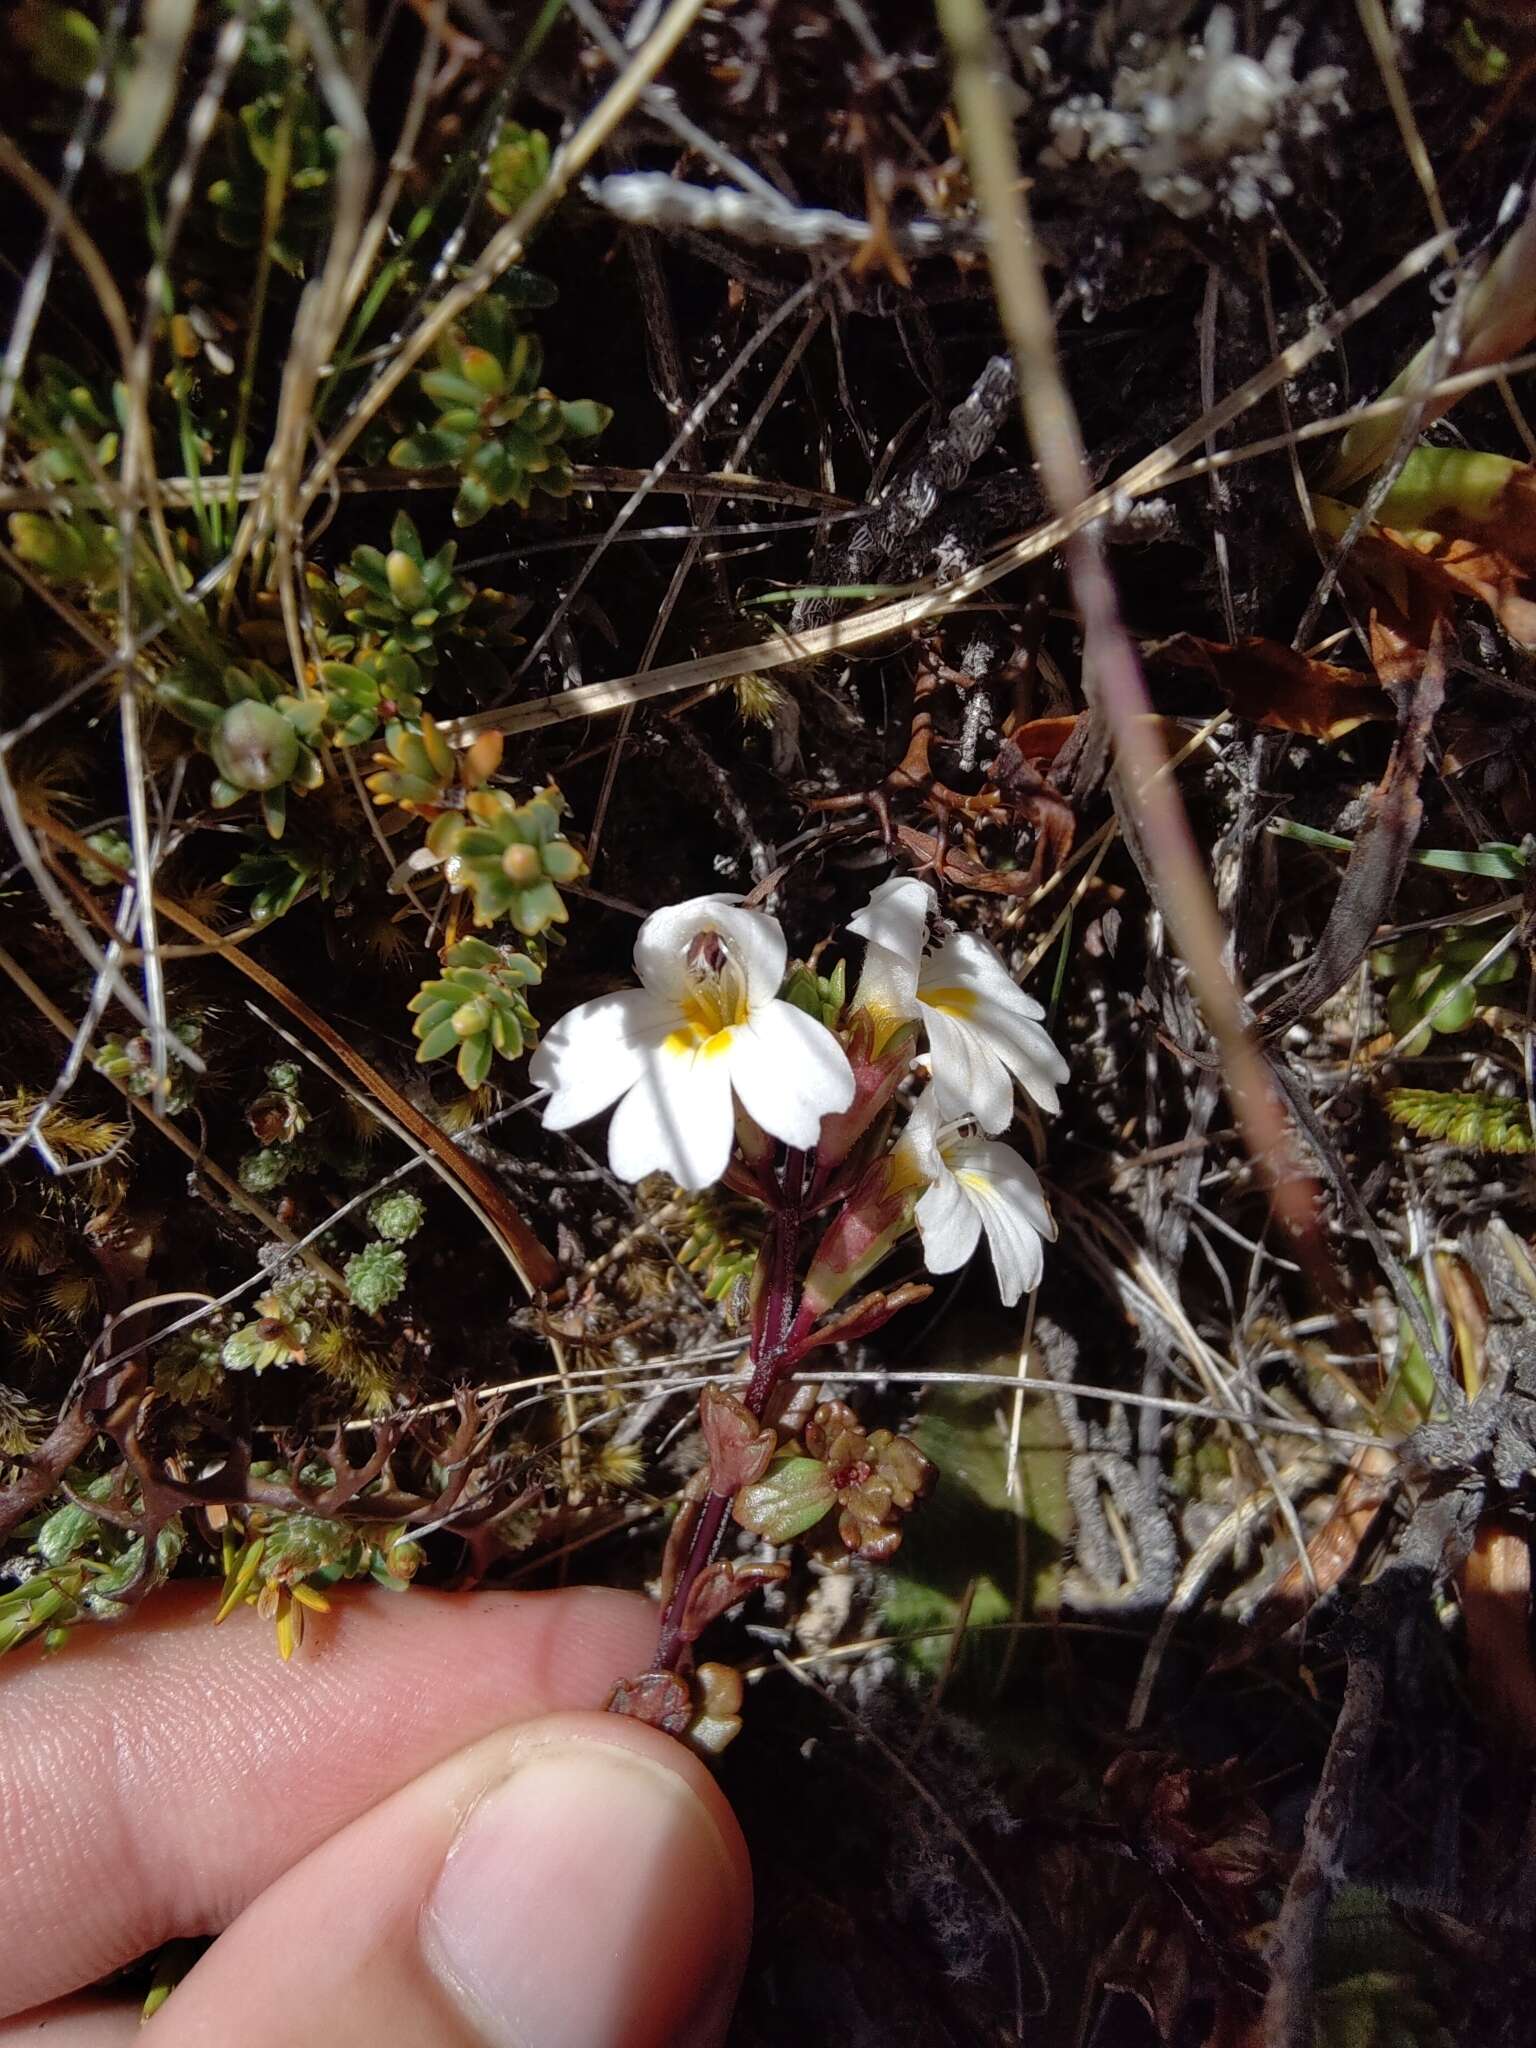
(1009, 1178)
(896, 916)
(676, 1119)
(916, 1153)
(894, 923)
(887, 987)
(1025, 1049)
(948, 1223)
(968, 1077)
(753, 938)
(789, 1072)
(1011, 1206)
(966, 982)
(595, 1052)
(967, 962)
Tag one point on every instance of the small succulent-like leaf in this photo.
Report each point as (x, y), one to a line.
(659, 1698)
(720, 1587)
(740, 1446)
(584, 418)
(794, 1495)
(717, 1720)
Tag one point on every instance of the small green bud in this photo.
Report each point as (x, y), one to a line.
(254, 747)
(521, 864)
(111, 846)
(479, 367)
(407, 585)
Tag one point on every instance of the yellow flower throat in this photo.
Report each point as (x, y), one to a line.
(712, 1010)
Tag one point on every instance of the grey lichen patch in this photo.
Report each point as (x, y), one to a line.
(1200, 124)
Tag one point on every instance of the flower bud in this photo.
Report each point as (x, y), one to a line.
(407, 585)
(520, 863)
(479, 367)
(254, 747)
(877, 1212)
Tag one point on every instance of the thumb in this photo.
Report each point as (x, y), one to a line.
(577, 1882)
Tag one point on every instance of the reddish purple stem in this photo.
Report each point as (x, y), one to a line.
(772, 1326)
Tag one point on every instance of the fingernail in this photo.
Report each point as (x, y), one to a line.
(587, 1902)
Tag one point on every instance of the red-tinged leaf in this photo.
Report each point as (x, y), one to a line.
(1276, 686)
(1046, 739)
(680, 1535)
(739, 1445)
(1462, 494)
(875, 1081)
(1038, 803)
(1042, 739)
(720, 1587)
(860, 1319)
(659, 1698)
(1405, 596)
(1478, 569)
(1409, 577)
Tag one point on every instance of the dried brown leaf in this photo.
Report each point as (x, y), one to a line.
(1380, 852)
(1275, 686)
(1363, 1492)
(1495, 1590)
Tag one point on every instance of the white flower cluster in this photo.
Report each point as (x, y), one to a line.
(707, 1037)
(983, 1035)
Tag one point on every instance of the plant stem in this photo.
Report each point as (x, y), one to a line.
(779, 1260)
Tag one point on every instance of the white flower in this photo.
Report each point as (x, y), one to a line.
(974, 1185)
(705, 1022)
(984, 1033)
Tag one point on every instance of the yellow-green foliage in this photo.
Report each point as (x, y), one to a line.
(1480, 1123)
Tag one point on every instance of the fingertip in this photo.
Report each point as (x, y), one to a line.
(599, 1892)
(574, 1882)
(199, 1766)
(74, 2023)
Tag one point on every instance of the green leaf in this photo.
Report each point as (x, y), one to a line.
(66, 1530)
(1479, 1122)
(1498, 860)
(437, 1042)
(475, 1060)
(790, 1498)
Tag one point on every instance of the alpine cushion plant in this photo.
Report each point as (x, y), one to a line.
(727, 1070)
(261, 737)
(509, 856)
(475, 1008)
(495, 422)
(407, 596)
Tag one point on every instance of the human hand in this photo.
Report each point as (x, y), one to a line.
(412, 1835)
